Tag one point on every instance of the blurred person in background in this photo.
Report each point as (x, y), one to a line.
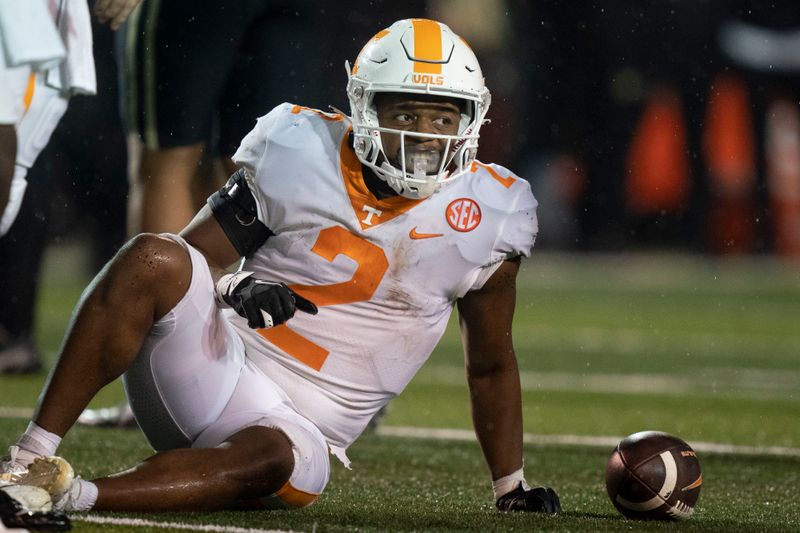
(666, 124)
(608, 85)
(761, 176)
(46, 58)
(32, 49)
(24, 62)
(77, 185)
(193, 76)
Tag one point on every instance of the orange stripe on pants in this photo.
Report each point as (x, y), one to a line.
(28, 97)
(295, 498)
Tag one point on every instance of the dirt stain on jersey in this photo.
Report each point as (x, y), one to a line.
(398, 298)
(403, 260)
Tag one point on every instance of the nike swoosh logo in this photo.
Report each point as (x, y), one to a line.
(414, 235)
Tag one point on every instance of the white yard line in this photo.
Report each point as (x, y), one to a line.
(752, 382)
(635, 341)
(16, 412)
(138, 522)
(529, 438)
(579, 440)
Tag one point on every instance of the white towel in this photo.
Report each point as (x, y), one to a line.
(76, 74)
(28, 34)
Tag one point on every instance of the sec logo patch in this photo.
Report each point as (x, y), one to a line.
(463, 214)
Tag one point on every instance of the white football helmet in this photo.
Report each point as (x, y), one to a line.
(417, 56)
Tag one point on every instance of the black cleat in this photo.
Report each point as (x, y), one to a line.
(20, 356)
(119, 416)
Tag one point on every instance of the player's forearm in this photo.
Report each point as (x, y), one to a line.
(215, 267)
(217, 270)
(497, 418)
(205, 234)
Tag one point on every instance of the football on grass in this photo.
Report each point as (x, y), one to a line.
(653, 476)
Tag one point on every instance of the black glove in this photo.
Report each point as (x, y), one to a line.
(263, 303)
(536, 500)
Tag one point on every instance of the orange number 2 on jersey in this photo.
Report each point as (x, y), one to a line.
(372, 265)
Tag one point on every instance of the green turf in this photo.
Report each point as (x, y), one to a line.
(608, 345)
(413, 485)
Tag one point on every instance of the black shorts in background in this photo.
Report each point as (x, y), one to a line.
(204, 70)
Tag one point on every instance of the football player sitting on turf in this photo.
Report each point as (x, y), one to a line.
(385, 221)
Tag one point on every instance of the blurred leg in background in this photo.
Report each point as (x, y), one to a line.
(195, 76)
(20, 260)
(79, 179)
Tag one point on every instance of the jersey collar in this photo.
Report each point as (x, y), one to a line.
(369, 210)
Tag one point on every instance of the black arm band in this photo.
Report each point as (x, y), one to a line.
(235, 210)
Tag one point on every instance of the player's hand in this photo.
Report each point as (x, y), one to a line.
(263, 303)
(115, 11)
(536, 500)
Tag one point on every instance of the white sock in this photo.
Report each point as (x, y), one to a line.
(506, 484)
(81, 496)
(36, 442)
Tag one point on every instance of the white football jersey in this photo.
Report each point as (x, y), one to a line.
(385, 274)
